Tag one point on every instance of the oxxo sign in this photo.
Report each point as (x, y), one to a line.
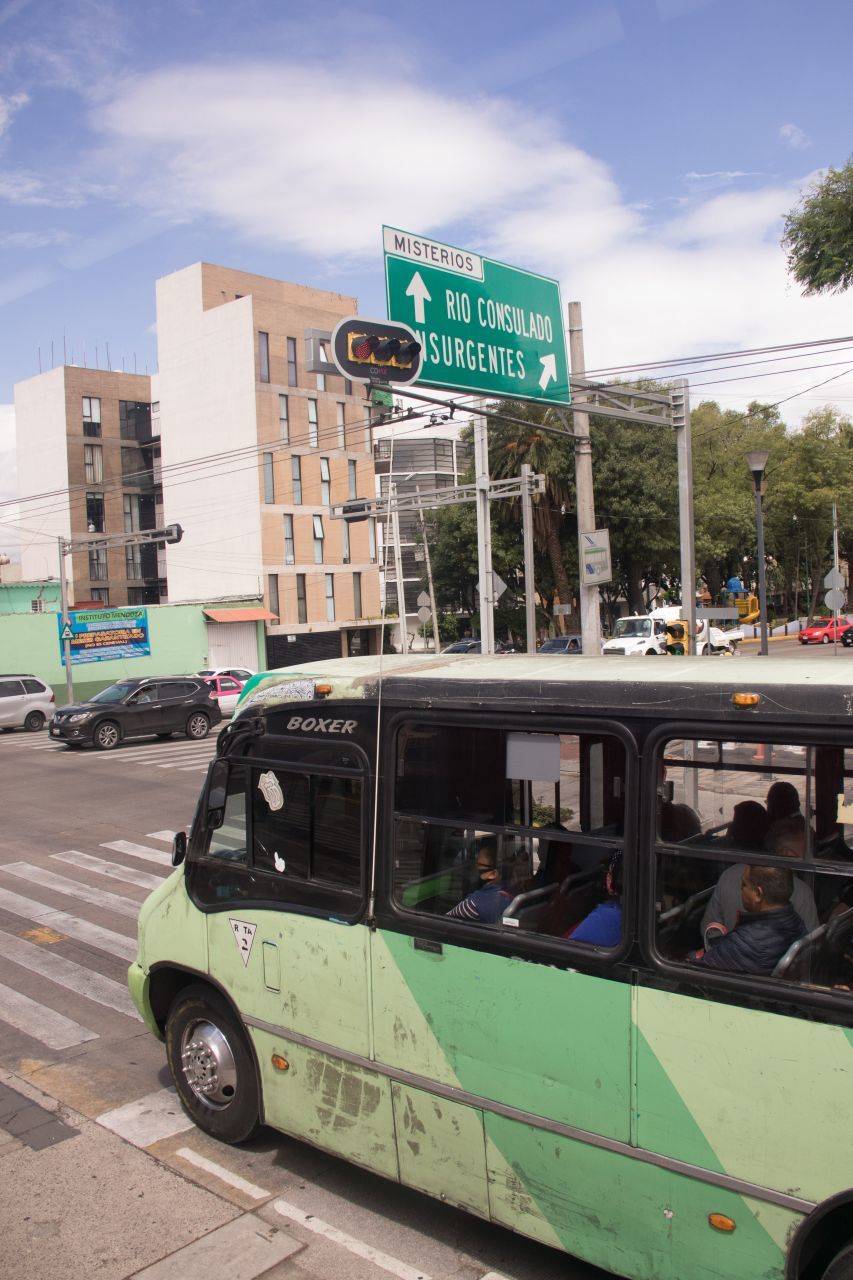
(483, 326)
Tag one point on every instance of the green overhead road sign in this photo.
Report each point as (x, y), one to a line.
(484, 327)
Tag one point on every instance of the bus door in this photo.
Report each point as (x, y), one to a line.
(507, 1033)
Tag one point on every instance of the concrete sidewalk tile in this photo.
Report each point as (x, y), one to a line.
(242, 1249)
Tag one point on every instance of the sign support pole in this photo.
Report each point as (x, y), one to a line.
(484, 537)
(66, 622)
(428, 561)
(398, 572)
(683, 439)
(835, 567)
(589, 597)
(527, 532)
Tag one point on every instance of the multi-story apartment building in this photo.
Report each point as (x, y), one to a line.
(256, 449)
(87, 443)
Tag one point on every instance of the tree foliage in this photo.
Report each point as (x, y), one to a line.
(818, 234)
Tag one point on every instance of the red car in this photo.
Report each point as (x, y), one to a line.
(824, 632)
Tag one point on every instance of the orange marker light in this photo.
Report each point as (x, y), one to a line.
(280, 1063)
(720, 1222)
(746, 699)
(322, 690)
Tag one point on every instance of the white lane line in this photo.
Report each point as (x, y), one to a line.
(225, 1175)
(243, 1249)
(379, 1259)
(139, 851)
(188, 768)
(41, 1023)
(115, 944)
(158, 1115)
(152, 755)
(72, 888)
(129, 875)
(183, 761)
(67, 973)
(165, 836)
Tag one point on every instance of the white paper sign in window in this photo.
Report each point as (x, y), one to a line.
(533, 757)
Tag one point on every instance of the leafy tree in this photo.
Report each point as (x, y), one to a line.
(819, 234)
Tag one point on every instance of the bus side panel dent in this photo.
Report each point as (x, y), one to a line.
(441, 1148)
(330, 1103)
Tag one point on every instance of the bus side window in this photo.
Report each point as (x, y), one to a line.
(281, 822)
(228, 841)
(336, 855)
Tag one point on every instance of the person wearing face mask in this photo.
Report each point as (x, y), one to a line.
(487, 904)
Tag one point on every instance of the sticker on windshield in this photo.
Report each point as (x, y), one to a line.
(244, 936)
(278, 862)
(270, 788)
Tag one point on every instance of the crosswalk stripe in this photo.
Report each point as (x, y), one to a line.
(189, 768)
(176, 762)
(72, 888)
(161, 753)
(41, 1023)
(115, 944)
(130, 875)
(67, 973)
(139, 851)
(165, 836)
(158, 1115)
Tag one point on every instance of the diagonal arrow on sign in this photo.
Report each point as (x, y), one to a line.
(549, 370)
(420, 294)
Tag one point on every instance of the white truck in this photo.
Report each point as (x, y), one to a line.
(646, 634)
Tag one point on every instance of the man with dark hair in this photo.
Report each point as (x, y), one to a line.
(783, 801)
(786, 839)
(487, 904)
(764, 932)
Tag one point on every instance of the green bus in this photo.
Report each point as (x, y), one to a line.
(566, 944)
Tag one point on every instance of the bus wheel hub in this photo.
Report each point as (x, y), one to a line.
(208, 1064)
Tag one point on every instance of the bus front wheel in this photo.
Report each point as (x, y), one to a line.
(841, 1267)
(211, 1065)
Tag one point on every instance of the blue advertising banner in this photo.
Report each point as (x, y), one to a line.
(100, 634)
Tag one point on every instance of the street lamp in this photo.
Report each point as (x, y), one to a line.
(757, 462)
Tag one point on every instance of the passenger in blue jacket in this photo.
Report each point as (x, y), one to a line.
(764, 932)
(487, 904)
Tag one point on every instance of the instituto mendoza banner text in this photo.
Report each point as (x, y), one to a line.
(101, 634)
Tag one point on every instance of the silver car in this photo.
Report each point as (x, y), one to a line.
(25, 702)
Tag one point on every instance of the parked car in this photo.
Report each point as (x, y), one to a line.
(25, 703)
(561, 644)
(235, 673)
(824, 631)
(847, 638)
(468, 645)
(227, 691)
(157, 705)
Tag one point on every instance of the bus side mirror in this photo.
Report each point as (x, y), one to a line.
(217, 793)
(179, 848)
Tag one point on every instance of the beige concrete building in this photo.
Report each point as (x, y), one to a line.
(256, 449)
(88, 459)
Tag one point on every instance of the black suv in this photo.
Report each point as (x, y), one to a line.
(157, 705)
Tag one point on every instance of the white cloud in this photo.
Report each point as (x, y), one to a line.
(795, 137)
(8, 106)
(721, 175)
(32, 239)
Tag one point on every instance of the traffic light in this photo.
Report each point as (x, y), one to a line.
(174, 533)
(676, 637)
(353, 512)
(376, 351)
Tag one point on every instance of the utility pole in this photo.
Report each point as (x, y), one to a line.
(484, 537)
(527, 533)
(66, 621)
(428, 562)
(589, 598)
(680, 400)
(398, 571)
(835, 567)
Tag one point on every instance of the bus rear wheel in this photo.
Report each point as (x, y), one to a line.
(212, 1066)
(841, 1267)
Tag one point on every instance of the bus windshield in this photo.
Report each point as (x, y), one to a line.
(628, 627)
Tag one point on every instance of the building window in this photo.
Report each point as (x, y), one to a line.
(283, 418)
(134, 418)
(371, 535)
(319, 537)
(139, 595)
(133, 562)
(264, 356)
(289, 550)
(321, 382)
(101, 594)
(93, 463)
(131, 513)
(273, 594)
(98, 564)
(301, 602)
(325, 483)
(91, 416)
(356, 595)
(291, 363)
(95, 513)
(312, 423)
(330, 597)
(296, 472)
(347, 387)
(269, 478)
(345, 541)
(342, 427)
(352, 474)
(131, 466)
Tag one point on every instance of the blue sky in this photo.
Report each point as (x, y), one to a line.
(642, 151)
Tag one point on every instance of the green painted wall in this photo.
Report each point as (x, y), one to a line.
(29, 643)
(17, 597)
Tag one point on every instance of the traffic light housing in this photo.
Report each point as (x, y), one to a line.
(677, 637)
(174, 533)
(376, 351)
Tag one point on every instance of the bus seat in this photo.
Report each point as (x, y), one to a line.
(683, 915)
(797, 962)
(530, 898)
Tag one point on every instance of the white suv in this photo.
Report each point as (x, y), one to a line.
(25, 702)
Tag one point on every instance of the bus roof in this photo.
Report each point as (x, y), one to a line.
(793, 688)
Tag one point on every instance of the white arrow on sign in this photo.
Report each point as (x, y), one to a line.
(418, 291)
(549, 370)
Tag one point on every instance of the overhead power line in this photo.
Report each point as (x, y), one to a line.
(673, 361)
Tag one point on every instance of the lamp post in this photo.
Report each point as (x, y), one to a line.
(757, 462)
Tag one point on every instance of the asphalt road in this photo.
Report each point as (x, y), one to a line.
(84, 837)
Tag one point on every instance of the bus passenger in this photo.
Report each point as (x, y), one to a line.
(748, 826)
(764, 932)
(603, 926)
(783, 801)
(487, 904)
(786, 840)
